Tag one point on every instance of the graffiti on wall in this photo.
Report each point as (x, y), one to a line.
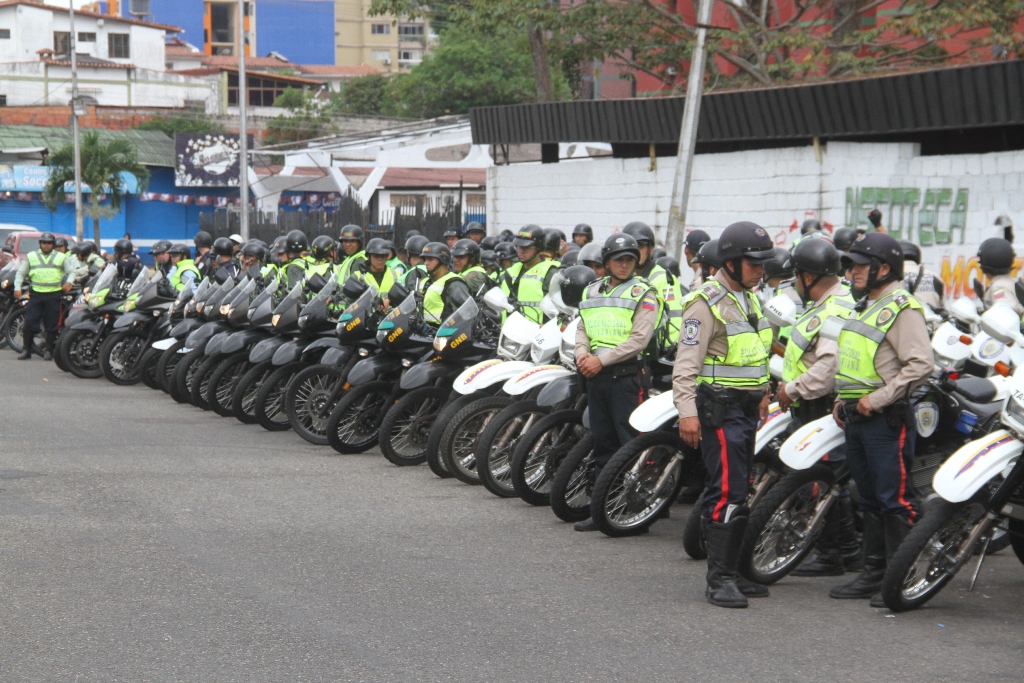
(927, 217)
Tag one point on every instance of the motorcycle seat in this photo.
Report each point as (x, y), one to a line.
(975, 389)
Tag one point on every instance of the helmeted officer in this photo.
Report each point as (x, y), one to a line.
(648, 269)
(395, 262)
(160, 257)
(528, 281)
(506, 254)
(87, 251)
(466, 262)
(926, 286)
(128, 264)
(807, 227)
(590, 256)
(320, 267)
(184, 272)
(884, 354)
(995, 258)
(352, 254)
(582, 235)
(695, 239)
(224, 265)
(489, 242)
(60, 245)
(50, 273)
(780, 277)
(708, 261)
(443, 290)
(490, 263)
(417, 271)
(475, 232)
(569, 258)
(618, 318)
(203, 242)
(293, 266)
(553, 243)
(451, 236)
(252, 258)
(720, 383)
(808, 388)
(376, 271)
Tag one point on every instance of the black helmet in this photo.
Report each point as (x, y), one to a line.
(467, 247)
(505, 251)
(618, 244)
(745, 240)
(695, 239)
(657, 253)
(296, 241)
(473, 226)
(819, 257)
(321, 246)
(203, 239)
(810, 225)
(451, 232)
(414, 245)
(553, 241)
(490, 242)
(160, 247)
(669, 264)
(780, 266)
(60, 242)
(708, 254)
(844, 238)
(507, 235)
(488, 258)
(530, 236)
(222, 246)
(640, 231)
(279, 246)
(574, 282)
(911, 252)
(995, 256)
(877, 248)
(352, 232)
(122, 246)
(440, 251)
(412, 232)
(48, 237)
(591, 253)
(585, 230)
(255, 249)
(86, 249)
(392, 252)
(179, 249)
(378, 247)
(570, 258)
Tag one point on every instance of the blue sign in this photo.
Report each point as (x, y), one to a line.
(34, 179)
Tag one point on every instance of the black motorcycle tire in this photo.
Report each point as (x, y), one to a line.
(243, 401)
(939, 532)
(148, 365)
(58, 359)
(539, 453)
(307, 401)
(570, 500)
(769, 525)
(223, 380)
(406, 426)
(123, 371)
(79, 350)
(493, 462)
(168, 362)
(14, 329)
(453, 406)
(1017, 538)
(184, 375)
(693, 532)
(269, 407)
(609, 491)
(457, 448)
(354, 424)
(201, 381)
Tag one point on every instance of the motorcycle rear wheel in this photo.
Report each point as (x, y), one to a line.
(223, 381)
(354, 424)
(169, 360)
(498, 443)
(539, 453)
(570, 492)
(456, 402)
(459, 440)
(308, 401)
(406, 427)
(148, 366)
(269, 406)
(80, 349)
(119, 357)
(243, 400)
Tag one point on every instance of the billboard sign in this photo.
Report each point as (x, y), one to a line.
(206, 159)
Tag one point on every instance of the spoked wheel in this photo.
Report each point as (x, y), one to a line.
(80, 350)
(778, 534)
(14, 331)
(169, 360)
(354, 424)
(693, 533)
(926, 560)
(498, 443)
(221, 390)
(243, 400)
(269, 407)
(184, 374)
(540, 452)
(637, 484)
(201, 382)
(459, 441)
(309, 401)
(148, 366)
(406, 427)
(454, 405)
(119, 357)
(570, 489)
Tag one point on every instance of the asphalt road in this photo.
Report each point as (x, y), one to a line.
(142, 540)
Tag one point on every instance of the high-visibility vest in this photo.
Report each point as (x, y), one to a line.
(386, 283)
(349, 265)
(608, 316)
(746, 361)
(183, 265)
(294, 272)
(398, 265)
(46, 272)
(322, 269)
(859, 341)
(530, 287)
(804, 333)
(433, 303)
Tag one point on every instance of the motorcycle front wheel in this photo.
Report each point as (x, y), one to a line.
(184, 375)
(165, 367)
(269, 407)
(148, 365)
(243, 400)
(199, 395)
(354, 423)
(119, 357)
(454, 405)
(80, 351)
(498, 443)
(308, 401)
(570, 490)
(221, 390)
(14, 331)
(539, 453)
(459, 440)
(406, 427)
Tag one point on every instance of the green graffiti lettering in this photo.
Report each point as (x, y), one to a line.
(958, 216)
(942, 198)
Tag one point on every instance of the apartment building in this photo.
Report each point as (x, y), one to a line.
(385, 43)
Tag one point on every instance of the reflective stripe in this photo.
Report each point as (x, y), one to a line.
(859, 384)
(870, 331)
(611, 302)
(801, 342)
(672, 313)
(734, 371)
(738, 328)
(843, 303)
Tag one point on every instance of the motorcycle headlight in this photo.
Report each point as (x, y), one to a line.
(129, 306)
(511, 348)
(225, 309)
(440, 343)
(5, 284)
(199, 306)
(276, 319)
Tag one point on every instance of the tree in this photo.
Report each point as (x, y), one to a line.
(308, 117)
(364, 96)
(198, 123)
(102, 167)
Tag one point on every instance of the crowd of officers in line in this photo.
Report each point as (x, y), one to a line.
(636, 310)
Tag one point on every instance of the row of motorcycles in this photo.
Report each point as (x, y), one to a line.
(492, 399)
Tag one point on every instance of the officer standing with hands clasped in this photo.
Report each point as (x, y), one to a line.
(50, 272)
(720, 383)
(618, 316)
(884, 354)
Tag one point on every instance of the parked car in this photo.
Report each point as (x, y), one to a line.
(20, 240)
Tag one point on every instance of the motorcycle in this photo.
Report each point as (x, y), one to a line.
(144, 320)
(80, 342)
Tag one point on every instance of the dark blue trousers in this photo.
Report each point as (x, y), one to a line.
(611, 400)
(45, 309)
(880, 457)
(728, 452)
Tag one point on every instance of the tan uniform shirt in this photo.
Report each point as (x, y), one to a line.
(822, 360)
(639, 336)
(709, 339)
(1001, 290)
(925, 292)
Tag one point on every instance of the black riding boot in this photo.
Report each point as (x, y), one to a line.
(48, 345)
(869, 581)
(828, 560)
(849, 540)
(588, 524)
(896, 529)
(723, 546)
(26, 340)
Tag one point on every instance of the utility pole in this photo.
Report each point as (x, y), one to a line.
(688, 136)
(75, 107)
(243, 142)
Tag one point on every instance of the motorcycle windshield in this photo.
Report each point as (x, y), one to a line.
(106, 278)
(461, 321)
(315, 313)
(396, 323)
(150, 292)
(138, 283)
(353, 322)
(267, 292)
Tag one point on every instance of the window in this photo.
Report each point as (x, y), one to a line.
(380, 55)
(5, 34)
(410, 29)
(117, 46)
(3, 100)
(411, 56)
(87, 37)
(380, 29)
(62, 42)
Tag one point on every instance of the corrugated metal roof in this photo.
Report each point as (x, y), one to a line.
(155, 148)
(941, 99)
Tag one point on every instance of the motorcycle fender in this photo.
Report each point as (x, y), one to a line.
(93, 326)
(425, 374)
(776, 423)
(369, 369)
(289, 352)
(654, 413)
(534, 377)
(216, 344)
(557, 391)
(185, 327)
(811, 443)
(239, 340)
(199, 336)
(165, 344)
(975, 464)
(324, 343)
(336, 357)
(264, 350)
(129, 319)
(488, 372)
(76, 316)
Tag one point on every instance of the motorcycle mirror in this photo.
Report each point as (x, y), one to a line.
(780, 311)
(497, 300)
(979, 289)
(547, 307)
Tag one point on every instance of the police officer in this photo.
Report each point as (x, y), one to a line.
(224, 266)
(553, 243)
(417, 271)
(87, 251)
(490, 263)
(884, 354)
(443, 290)
(184, 272)
(708, 261)
(375, 270)
(475, 232)
(506, 254)
(128, 264)
(252, 258)
(160, 256)
(695, 239)
(293, 266)
(203, 242)
(352, 254)
(529, 280)
(60, 245)
(648, 269)
(395, 262)
(451, 236)
(926, 287)
(50, 273)
(590, 256)
(618, 317)
(582, 235)
(779, 279)
(808, 388)
(320, 265)
(466, 262)
(995, 258)
(720, 383)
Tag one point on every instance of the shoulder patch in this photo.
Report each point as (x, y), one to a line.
(637, 290)
(814, 324)
(691, 329)
(885, 316)
(999, 294)
(900, 299)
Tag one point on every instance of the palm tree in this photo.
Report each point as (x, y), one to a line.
(102, 166)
